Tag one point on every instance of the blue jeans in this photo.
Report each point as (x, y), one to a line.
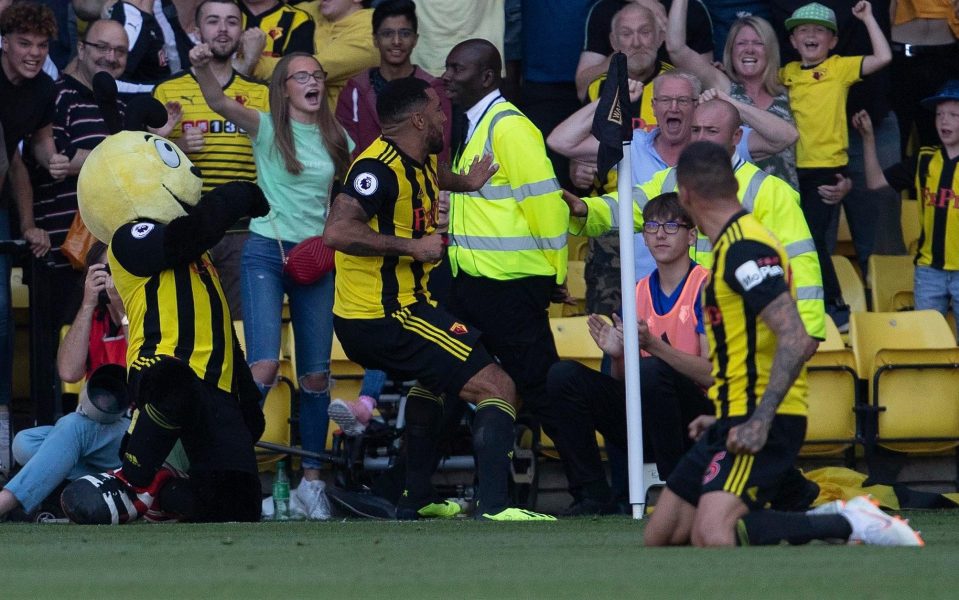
(7, 329)
(373, 382)
(934, 288)
(75, 446)
(311, 310)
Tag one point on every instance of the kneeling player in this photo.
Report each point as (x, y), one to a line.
(716, 494)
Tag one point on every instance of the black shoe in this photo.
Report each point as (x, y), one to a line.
(588, 506)
(368, 506)
(100, 499)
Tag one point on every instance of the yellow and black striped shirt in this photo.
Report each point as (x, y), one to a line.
(227, 154)
(750, 270)
(178, 311)
(288, 29)
(399, 196)
(934, 180)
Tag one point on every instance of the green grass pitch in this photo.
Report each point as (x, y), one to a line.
(573, 558)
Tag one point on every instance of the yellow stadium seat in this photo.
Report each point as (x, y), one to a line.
(19, 293)
(890, 281)
(911, 362)
(576, 285)
(853, 291)
(832, 397)
(578, 247)
(65, 386)
(844, 243)
(574, 342)
(276, 410)
(909, 219)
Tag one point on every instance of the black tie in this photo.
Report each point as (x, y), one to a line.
(458, 134)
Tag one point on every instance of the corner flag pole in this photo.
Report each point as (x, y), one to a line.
(627, 278)
(612, 127)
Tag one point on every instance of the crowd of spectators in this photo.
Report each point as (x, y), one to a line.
(828, 94)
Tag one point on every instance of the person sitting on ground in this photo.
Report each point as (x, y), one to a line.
(674, 368)
(85, 442)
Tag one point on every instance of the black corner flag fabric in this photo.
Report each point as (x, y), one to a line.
(612, 124)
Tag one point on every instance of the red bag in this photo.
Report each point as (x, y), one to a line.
(308, 261)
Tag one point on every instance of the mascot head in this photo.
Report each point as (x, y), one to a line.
(135, 175)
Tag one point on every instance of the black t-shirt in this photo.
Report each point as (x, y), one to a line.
(699, 27)
(872, 93)
(25, 108)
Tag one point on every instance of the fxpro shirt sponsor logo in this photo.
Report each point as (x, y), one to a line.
(750, 274)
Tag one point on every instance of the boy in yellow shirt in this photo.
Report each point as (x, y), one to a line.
(818, 85)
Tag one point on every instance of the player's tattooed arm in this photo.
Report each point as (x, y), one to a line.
(348, 231)
(792, 343)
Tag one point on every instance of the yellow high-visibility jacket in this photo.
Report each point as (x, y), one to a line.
(773, 202)
(515, 225)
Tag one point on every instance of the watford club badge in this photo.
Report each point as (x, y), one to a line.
(458, 328)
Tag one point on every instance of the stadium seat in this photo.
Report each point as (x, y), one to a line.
(911, 363)
(578, 247)
(832, 397)
(277, 410)
(20, 300)
(853, 291)
(844, 243)
(909, 219)
(65, 386)
(890, 282)
(574, 342)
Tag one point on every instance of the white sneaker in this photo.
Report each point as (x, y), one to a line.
(345, 415)
(872, 526)
(309, 499)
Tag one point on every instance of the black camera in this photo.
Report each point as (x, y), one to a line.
(103, 298)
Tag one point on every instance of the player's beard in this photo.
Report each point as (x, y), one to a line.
(434, 143)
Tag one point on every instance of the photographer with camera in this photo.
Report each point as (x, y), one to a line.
(98, 334)
(87, 441)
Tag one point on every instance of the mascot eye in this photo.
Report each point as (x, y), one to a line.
(167, 153)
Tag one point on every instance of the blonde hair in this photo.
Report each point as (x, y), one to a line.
(331, 134)
(764, 30)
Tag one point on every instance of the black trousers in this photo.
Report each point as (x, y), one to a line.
(818, 216)
(515, 323)
(587, 401)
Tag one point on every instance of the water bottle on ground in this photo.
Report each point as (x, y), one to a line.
(281, 493)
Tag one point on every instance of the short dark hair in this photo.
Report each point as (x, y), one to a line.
(705, 168)
(399, 97)
(666, 207)
(28, 17)
(199, 7)
(395, 8)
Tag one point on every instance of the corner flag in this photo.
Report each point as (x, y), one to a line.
(612, 124)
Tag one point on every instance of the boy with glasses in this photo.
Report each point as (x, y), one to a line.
(674, 367)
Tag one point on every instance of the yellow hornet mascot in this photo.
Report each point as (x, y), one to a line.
(186, 373)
